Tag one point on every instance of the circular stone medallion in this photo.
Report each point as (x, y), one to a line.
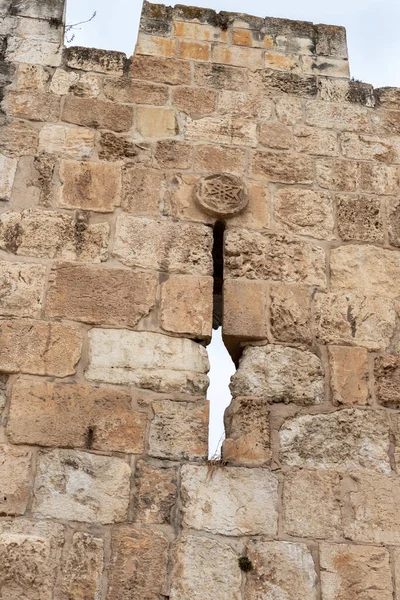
(221, 195)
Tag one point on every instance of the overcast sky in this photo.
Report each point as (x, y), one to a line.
(374, 47)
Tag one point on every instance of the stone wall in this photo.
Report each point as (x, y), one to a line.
(113, 173)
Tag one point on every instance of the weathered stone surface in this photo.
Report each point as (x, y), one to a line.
(222, 130)
(393, 221)
(21, 289)
(283, 570)
(319, 142)
(81, 487)
(187, 306)
(220, 159)
(90, 186)
(311, 504)
(238, 56)
(275, 135)
(35, 107)
(82, 293)
(245, 309)
(15, 468)
(349, 375)
(379, 179)
(155, 493)
(247, 431)
(8, 168)
(354, 320)
(91, 112)
(290, 313)
(179, 430)
(19, 139)
(161, 70)
(396, 563)
(149, 360)
(138, 567)
(345, 439)
(230, 501)
(282, 168)
(349, 571)
(279, 374)
(30, 553)
(273, 257)
(221, 195)
(305, 212)
(173, 154)
(289, 110)
(92, 59)
(84, 567)
(154, 122)
(134, 92)
(204, 569)
(62, 81)
(195, 102)
(219, 76)
(72, 141)
(164, 245)
(366, 147)
(337, 174)
(39, 347)
(360, 218)
(387, 380)
(33, 51)
(156, 46)
(141, 190)
(250, 105)
(115, 147)
(342, 117)
(51, 234)
(74, 415)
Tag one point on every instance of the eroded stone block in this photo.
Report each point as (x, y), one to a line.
(245, 309)
(305, 212)
(22, 289)
(156, 489)
(90, 186)
(15, 466)
(247, 430)
(349, 375)
(84, 567)
(290, 313)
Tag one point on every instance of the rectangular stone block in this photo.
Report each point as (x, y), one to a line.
(282, 168)
(173, 154)
(343, 440)
(90, 186)
(275, 135)
(219, 76)
(149, 360)
(155, 493)
(194, 50)
(199, 31)
(222, 130)
(83, 487)
(155, 46)
(211, 159)
(90, 112)
(253, 104)
(8, 169)
(387, 380)
(305, 212)
(39, 347)
(289, 109)
(393, 221)
(34, 51)
(337, 174)
(22, 289)
(15, 468)
(290, 313)
(82, 293)
(196, 102)
(161, 70)
(71, 141)
(34, 107)
(342, 117)
(326, 67)
(319, 142)
(360, 218)
(368, 147)
(92, 59)
(128, 91)
(229, 501)
(141, 190)
(245, 309)
(82, 574)
(379, 179)
(247, 429)
(283, 62)
(156, 122)
(47, 9)
(19, 139)
(238, 56)
(349, 375)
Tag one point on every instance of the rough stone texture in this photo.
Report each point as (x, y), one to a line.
(338, 174)
(205, 569)
(222, 130)
(229, 500)
(84, 567)
(90, 186)
(8, 168)
(282, 570)
(349, 375)
(84, 487)
(360, 218)
(155, 495)
(387, 380)
(93, 113)
(311, 502)
(149, 360)
(244, 309)
(155, 122)
(345, 439)
(320, 142)
(247, 429)
(22, 289)
(179, 430)
(393, 221)
(349, 572)
(138, 567)
(39, 347)
(279, 374)
(72, 141)
(304, 212)
(290, 311)
(141, 190)
(35, 107)
(82, 293)
(91, 59)
(19, 138)
(282, 168)
(30, 552)
(15, 467)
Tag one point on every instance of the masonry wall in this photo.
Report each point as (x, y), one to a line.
(113, 173)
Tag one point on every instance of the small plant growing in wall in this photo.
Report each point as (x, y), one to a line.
(245, 564)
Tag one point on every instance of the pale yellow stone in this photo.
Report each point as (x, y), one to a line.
(247, 431)
(321, 142)
(21, 289)
(238, 56)
(155, 122)
(349, 375)
(72, 141)
(62, 81)
(8, 169)
(84, 568)
(305, 212)
(222, 130)
(15, 466)
(339, 116)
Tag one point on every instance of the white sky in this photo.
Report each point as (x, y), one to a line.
(374, 48)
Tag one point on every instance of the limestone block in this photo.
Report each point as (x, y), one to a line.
(273, 257)
(155, 122)
(283, 62)
(396, 562)
(35, 107)
(342, 440)
(379, 179)
(222, 130)
(349, 375)
(366, 270)
(282, 570)
(39, 347)
(238, 56)
(74, 415)
(331, 41)
(128, 91)
(92, 59)
(205, 569)
(8, 168)
(230, 501)
(253, 104)
(179, 430)
(19, 139)
(199, 31)
(282, 168)
(305, 212)
(155, 46)
(195, 102)
(385, 122)
(247, 431)
(393, 221)
(22, 289)
(311, 501)
(141, 190)
(138, 567)
(326, 67)
(338, 174)
(82, 293)
(78, 486)
(257, 213)
(90, 186)
(219, 76)
(15, 468)
(387, 380)
(367, 147)
(349, 571)
(47, 9)
(31, 51)
(245, 309)
(360, 218)
(84, 567)
(30, 553)
(164, 245)
(193, 50)
(161, 70)
(275, 135)
(321, 142)
(114, 147)
(51, 234)
(71, 141)
(88, 86)
(155, 493)
(40, 30)
(31, 77)
(354, 320)
(149, 360)
(279, 374)
(173, 154)
(290, 313)
(62, 81)
(212, 159)
(91, 112)
(289, 110)
(187, 306)
(342, 117)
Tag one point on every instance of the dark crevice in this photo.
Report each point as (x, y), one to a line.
(218, 262)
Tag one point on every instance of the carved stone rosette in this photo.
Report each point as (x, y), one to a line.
(222, 195)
